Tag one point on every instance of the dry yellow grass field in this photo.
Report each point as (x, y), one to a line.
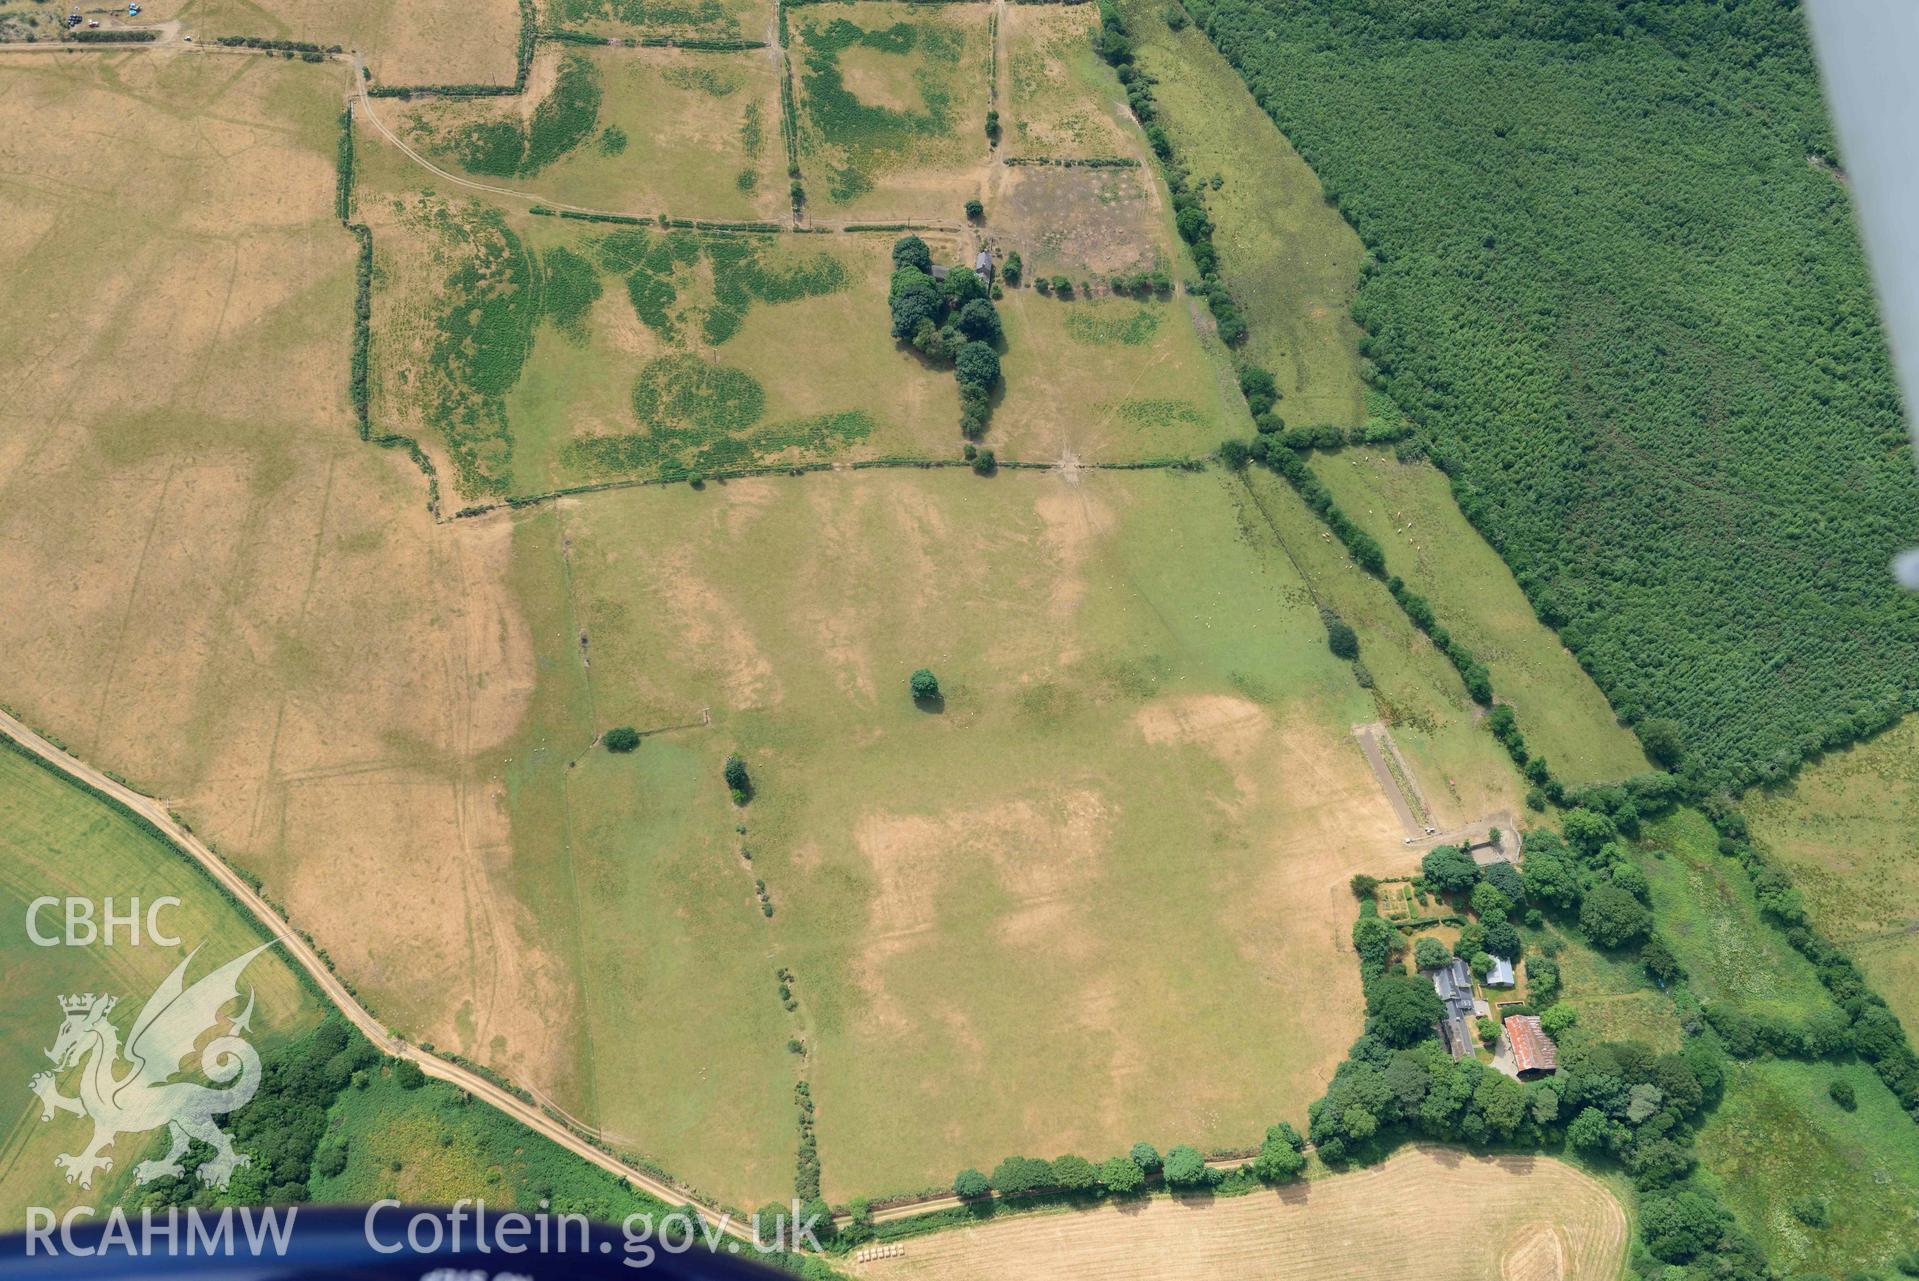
(1428, 1212)
(418, 42)
(207, 581)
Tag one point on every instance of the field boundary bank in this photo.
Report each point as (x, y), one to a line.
(317, 973)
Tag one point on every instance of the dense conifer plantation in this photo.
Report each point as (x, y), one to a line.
(1618, 287)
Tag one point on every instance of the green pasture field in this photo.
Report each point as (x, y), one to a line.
(1116, 844)
(1060, 98)
(1289, 258)
(1409, 508)
(628, 864)
(1778, 1138)
(59, 840)
(1463, 772)
(1616, 999)
(1847, 828)
(688, 134)
(1110, 380)
(677, 19)
(542, 352)
(890, 101)
(1703, 903)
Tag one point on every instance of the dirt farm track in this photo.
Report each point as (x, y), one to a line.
(1432, 1213)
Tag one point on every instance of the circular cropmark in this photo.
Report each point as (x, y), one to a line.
(685, 391)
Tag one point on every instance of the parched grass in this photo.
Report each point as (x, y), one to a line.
(1061, 98)
(1289, 258)
(1100, 822)
(1463, 772)
(58, 840)
(1409, 508)
(636, 131)
(404, 42)
(1845, 828)
(1777, 1138)
(1109, 381)
(890, 102)
(1703, 902)
(678, 19)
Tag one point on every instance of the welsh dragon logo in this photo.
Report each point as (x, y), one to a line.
(144, 1097)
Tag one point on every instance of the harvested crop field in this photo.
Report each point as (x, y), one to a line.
(1129, 825)
(1427, 1212)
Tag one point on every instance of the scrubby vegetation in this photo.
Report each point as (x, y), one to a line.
(506, 148)
(1655, 378)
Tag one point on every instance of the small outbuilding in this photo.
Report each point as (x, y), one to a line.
(1501, 974)
(1534, 1054)
(983, 266)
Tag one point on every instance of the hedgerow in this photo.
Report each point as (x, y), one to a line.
(1654, 376)
(1113, 44)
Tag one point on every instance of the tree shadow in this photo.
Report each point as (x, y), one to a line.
(931, 704)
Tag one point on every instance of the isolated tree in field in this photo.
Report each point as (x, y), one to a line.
(1342, 639)
(1186, 1168)
(1842, 1094)
(1611, 917)
(971, 1184)
(1449, 869)
(1404, 1009)
(1121, 1175)
(1363, 886)
(911, 251)
(621, 738)
(738, 781)
(925, 686)
(1429, 953)
(1146, 1157)
(975, 210)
